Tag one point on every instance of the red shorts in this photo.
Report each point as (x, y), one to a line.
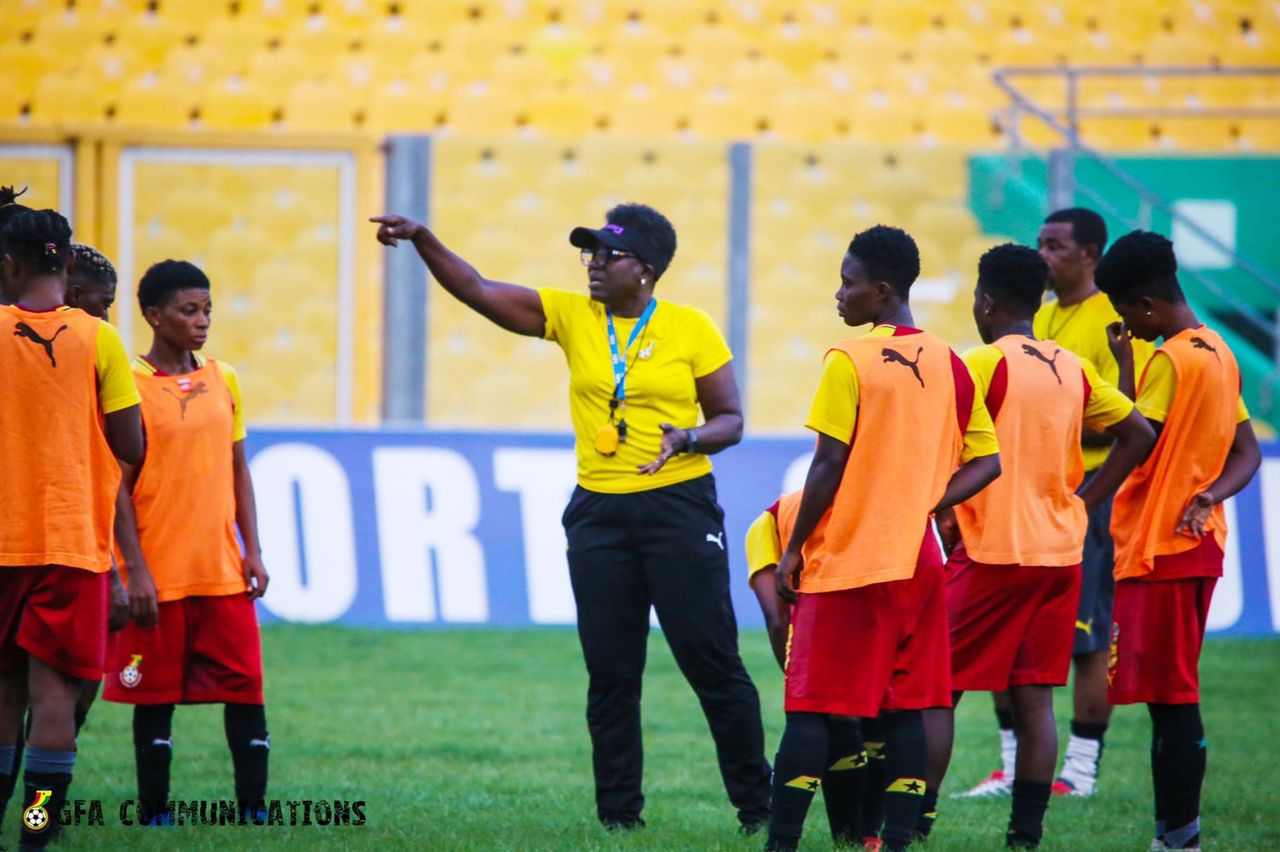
(203, 650)
(1158, 627)
(859, 651)
(1011, 625)
(56, 614)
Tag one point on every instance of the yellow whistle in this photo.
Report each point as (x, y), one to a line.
(607, 440)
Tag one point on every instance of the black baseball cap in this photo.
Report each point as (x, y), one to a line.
(635, 228)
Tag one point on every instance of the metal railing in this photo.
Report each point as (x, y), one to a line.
(1065, 122)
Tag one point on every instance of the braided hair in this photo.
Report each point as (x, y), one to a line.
(9, 206)
(39, 241)
(92, 265)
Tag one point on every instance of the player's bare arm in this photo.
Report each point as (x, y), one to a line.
(825, 473)
(255, 575)
(1243, 460)
(721, 408)
(143, 607)
(124, 434)
(972, 476)
(510, 306)
(776, 611)
(1134, 439)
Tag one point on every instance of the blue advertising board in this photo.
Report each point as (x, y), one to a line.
(423, 528)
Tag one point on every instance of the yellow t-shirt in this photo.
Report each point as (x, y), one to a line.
(834, 411)
(116, 388)
(1082, 328)
(678, 345)
(229, 375)
(1105, 406)
(764, 545)
(1158, 383)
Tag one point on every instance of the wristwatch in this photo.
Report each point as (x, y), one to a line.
(691, 445)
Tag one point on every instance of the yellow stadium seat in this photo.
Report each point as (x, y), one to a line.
(63, 98)
(752, 76)
(948, 223)
(1024, 47)
(23, 15)
(27, 64)
(197, 65)
(277, 14)
(484, 110)
(111, 8)
(111, 66)
(643, 111)
(559, 48)
(637, 41)
(806, 116)
(966, 255)
(70, 33)
(393, 44)
(1251, 49)
(282, 67)
(799, 48)
(235, 104)
(1126, 134)
(1198, 134)
(522, 74)
(319, 39)
(677, 17)
(1182, 48)
(884, 120)
(862, 49)
(947, 168)
(565, 113)
(150, 37)
(153, 101)
(952, 124)
(403, 108)
(714, 47)
(718, 115)
(902, 21)
(899, 191)
(318, 106)
(1260, 134)
(434, 16)
(951, 47)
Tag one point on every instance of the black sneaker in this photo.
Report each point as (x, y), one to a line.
(622, 823)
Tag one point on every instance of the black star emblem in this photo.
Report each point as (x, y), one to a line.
(914, 786)
(812, 785)
(860, 759)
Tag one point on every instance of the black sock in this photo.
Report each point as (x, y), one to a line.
(45, 783)
(1005, 719)
(873, 799)
(797, 773)
(250, 745)
(1089, 730)
(1157, 780)
(153, 755)
(9, 763)
(906, 758)
(1026, 824)
(928, 814)
(845, 781)
(1181, 755)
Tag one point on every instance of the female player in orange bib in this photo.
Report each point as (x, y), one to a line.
(194, 635)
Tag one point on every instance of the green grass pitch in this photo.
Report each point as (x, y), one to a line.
(475, 739)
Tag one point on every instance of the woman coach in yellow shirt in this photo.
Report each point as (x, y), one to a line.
(643, 525)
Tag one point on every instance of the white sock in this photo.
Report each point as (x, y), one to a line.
(1080, 767)
(1008, 752)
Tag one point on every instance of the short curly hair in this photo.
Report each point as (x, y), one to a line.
(657, 230)
(92, 265)
(1141, 263)
(1015, 276)
(167, 277)
(888, 254)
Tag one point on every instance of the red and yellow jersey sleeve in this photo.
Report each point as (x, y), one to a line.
(834, 411)
(1104, 404)
(980, 433)
(232, 379)
(116, 387)
(764, 546)
(1156, 391)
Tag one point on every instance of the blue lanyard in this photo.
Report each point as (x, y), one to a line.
(619, 358)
